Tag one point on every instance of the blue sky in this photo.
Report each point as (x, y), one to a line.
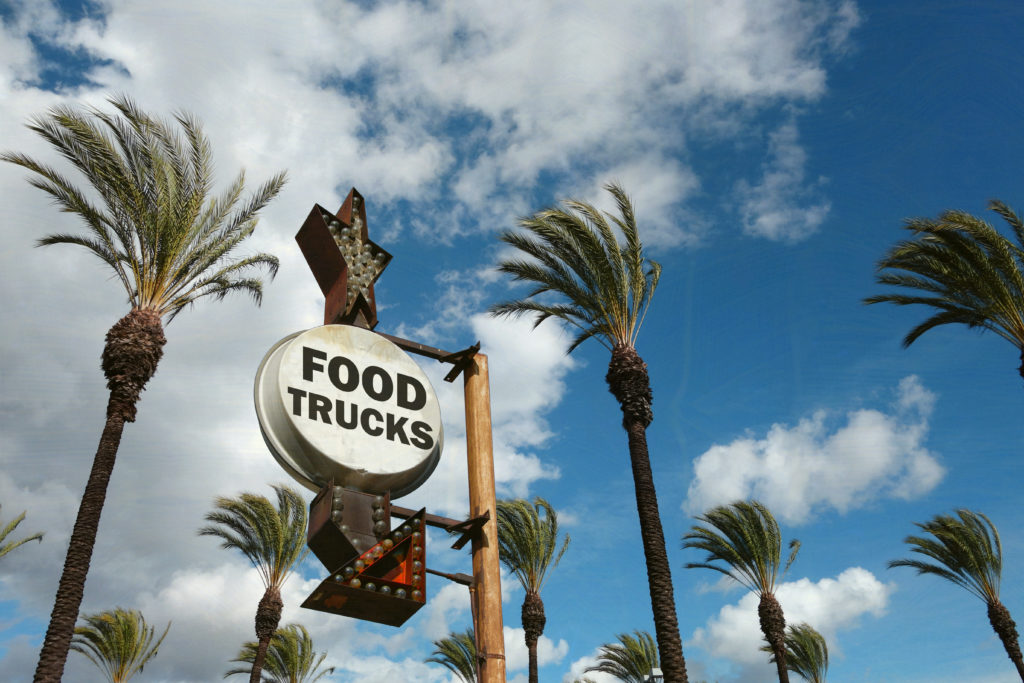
(772, 150)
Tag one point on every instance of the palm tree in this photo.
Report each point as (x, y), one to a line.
(745, 537)
(457, 653)
(527, 544)
(274, 539)
(291, 658)
(168, 243)
(964, 268)
(7, 546)
(606, 289)
(630, 660)
(118, 642)
(967, 551)
(806, 653)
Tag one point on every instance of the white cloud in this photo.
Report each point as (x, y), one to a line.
(829, 605)
(517, 657)
(801, 470)
(782, 206)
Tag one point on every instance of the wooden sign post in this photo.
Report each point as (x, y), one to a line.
(346, 264)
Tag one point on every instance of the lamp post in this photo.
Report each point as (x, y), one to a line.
(655, 676)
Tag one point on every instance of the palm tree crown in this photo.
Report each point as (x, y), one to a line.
(630, 660)
(166, 240)
(745, 538)
(528, 546)
(966, 550)
(273, 538)
(584, 277)
(457, 653)
(7, 546)
(576, 254)
(118, 642)
(169, 243)
(806, 653)
(963, 267)
(291, 658)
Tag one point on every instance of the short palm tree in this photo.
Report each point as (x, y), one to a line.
(745, 538)
(169, 243)
(274, 539)
(457, 653)
(603, 289)
(967, 551)
(806, 653)
(291, 658)
(528, 545)
(630, 660)
(118, 642)
(964, 268)
(7, 546)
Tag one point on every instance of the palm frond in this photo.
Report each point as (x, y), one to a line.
(157, 227)
(7, 546)
(806, 653)
(291, 658)
(118, 642)
(457, 653)
(964, 550)
(574, 253)
(973, 274)
(630, 660)
(528, 542)
(745, 538)
(272, 538)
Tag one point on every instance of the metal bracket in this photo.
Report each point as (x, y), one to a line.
(460, 359)
(468, 529)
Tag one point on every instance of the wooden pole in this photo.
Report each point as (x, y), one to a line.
(486, 568)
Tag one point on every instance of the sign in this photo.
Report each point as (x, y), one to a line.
(340, 402)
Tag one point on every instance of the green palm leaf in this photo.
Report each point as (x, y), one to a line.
(630, 660)
(973, 274)
(118, 642)
(806, 653)
(7, 546)
(291, 658)
(457, 653)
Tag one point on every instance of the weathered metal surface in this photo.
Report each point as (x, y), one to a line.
(347, 286)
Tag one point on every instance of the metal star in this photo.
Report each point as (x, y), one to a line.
(345, 262)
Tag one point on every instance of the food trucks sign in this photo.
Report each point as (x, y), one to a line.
(340, 402)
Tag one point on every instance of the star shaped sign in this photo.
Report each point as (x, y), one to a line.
(345, 262)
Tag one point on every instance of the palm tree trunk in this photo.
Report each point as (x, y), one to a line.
(628, 381)
(533, 627)
(76, 565)
(268, 616)
(773, 626)
(1006, 629)
(134, 346)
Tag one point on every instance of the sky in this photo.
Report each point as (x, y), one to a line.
(772, 151)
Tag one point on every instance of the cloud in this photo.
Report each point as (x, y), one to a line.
(781, 206)
(802, 470)
(517, 656)
(829, 605)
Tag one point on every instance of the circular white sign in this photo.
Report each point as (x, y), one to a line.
(340, 402)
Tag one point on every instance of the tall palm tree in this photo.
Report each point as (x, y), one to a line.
(967, 551)
(528, 546)
(291, 658)
(457, 653)
(964, 268)
(745, 538)
(169, 243)
(806, 653)
(274, 539)
(604, 290)
(630, 660)
(118, 642)
(7, 546)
